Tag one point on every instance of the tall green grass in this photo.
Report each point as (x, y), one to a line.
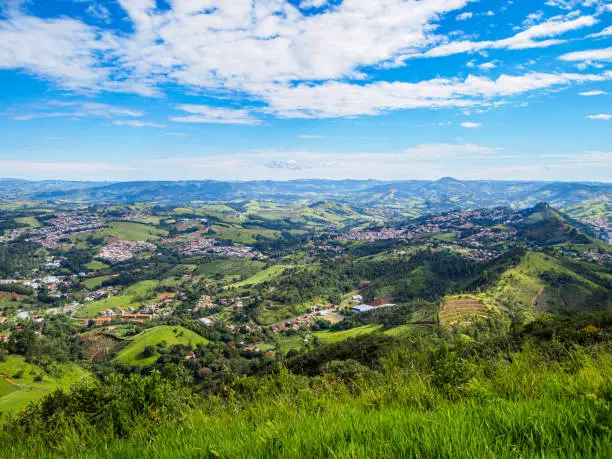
(523, 405)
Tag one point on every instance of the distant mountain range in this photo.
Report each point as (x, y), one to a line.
(423, 195)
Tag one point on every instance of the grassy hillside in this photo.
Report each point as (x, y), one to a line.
(133, 353)
(544, 283)
(22, 382)
(262, 276)
(363, 397)
(230, 268)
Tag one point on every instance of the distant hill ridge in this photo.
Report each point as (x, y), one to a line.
(433, 195)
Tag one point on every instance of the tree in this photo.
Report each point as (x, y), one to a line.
(149, 351)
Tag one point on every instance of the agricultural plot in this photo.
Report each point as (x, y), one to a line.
(96, 265)
(463, 309)
(243, 236)
(230, 268)
(31, 222)
(262, 276)
(99, 345)
(94, 282)
(330, 337)
(126, 231)
(133, 353)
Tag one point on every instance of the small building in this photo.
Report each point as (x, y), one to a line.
(363, 308)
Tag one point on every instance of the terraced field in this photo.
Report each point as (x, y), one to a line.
(100, 345)
(458, 310)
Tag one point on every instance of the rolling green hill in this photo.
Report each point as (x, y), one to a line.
(133, 353)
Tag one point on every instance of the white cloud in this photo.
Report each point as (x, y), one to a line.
(601, 116)
(335, 99)
(604, 33)
(572, 4)
(594, 55)
(214, 115)
(440, 151)
(238, 45)
(290, 164)
(486, 66)
(470, 125)
(73, 109)
(593, 93)
(99, 12)
(63, 50)
(176, 134)
(308, 4)
(536, 36)
(295, 63)
(464, 16)
(138, 124)
(35, 169)
(424, 161)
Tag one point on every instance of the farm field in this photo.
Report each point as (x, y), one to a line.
(94, 282)
(263, 275)
(96, 265)
(126, 231)
(26, 387)
(330, 337)
(132, 354)
(99, 345)
(229, 268)
(32, 222)
(243, 236)
(461, 309)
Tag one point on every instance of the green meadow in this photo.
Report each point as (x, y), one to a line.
(133, 353)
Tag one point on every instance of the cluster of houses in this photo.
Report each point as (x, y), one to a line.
(124, 250)
(60, 227)
(378, 235)
(206, 246)
(317, 312)
(602, 227)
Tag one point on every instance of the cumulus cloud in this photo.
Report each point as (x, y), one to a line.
(464, 16)
(470, 125)
(292, 61)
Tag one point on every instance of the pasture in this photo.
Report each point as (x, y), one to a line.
(133, 353)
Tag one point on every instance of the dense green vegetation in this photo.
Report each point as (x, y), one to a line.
(544, 388)
(239, 335)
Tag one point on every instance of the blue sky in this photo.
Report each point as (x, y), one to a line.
(290, 89)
